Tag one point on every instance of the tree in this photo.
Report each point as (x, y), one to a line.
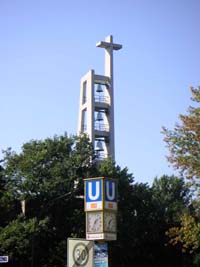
(172, 196)
(44, 175)
(183, 143)
(48, 174)
(145, 214)
(17, 240)
(9, 206)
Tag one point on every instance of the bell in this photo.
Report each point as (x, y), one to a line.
(99, 146)
(99, 116)
(99, 88)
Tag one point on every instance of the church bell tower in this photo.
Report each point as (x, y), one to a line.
(96, 113)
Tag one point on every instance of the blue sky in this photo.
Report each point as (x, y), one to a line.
(47, 46)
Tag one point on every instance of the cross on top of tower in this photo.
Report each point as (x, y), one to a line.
(109, 44)
(109, 47)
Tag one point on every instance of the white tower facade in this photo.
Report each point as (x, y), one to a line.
(96, 113)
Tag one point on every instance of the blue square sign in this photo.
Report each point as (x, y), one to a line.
(110, 192)
(3, 259)
(93, 194)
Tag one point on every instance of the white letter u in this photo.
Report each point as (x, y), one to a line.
(112, 195)
(97, 191)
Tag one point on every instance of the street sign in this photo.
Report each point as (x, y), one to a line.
(110, 189)
(80, 252)
(93, 194)
(101, 208)
(100, 194)
(3, 259)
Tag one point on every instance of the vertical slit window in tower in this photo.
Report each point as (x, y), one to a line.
(84, 120)
(84, 92)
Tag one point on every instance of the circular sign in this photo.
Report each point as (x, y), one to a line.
(80, 254)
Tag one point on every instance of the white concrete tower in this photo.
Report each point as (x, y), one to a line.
(96, 114)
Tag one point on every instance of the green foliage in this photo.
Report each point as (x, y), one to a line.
(16, 237)
(49, 175)
(184, 141)
(172, 196)
(9, 206)
(184, 154)
(145, 214)
(44, 175)
(187, 234)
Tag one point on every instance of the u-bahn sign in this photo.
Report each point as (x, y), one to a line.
(101, 208)
(110, 192)
(100, 194)
(93, 194)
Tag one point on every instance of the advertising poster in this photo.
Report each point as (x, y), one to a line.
(100, 254)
